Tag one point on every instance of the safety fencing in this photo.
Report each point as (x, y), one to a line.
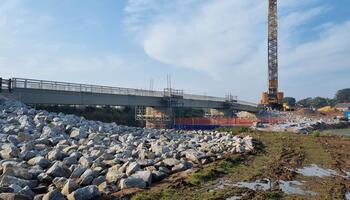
(225, 122)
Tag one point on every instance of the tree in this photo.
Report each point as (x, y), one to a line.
(290, 100)
(305, 102)
(317, 102)
(343, 95)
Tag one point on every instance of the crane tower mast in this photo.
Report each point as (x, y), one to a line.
(273, 98)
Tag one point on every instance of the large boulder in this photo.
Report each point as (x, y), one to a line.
(59, 182)
(18, 172)
(78, 133)
(87, 177)
(9, 151)
(132, 167)
(69, 187)
(113, 176)
(59, 169)
(90, 192)
(132, 182)
(144, 175)
(55, 154)
(39, 160)
(170, 162)
(7, 180)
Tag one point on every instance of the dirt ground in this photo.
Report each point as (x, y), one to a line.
(277, 158)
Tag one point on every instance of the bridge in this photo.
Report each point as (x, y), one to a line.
(151, 105)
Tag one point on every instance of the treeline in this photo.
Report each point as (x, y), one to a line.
(121, 116)
(341, 96)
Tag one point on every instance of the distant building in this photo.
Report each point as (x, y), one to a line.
(343, 107)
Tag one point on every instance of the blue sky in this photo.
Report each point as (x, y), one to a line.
(211, 47)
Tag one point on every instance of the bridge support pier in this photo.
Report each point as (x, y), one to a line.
(212, 112)
(154, 117)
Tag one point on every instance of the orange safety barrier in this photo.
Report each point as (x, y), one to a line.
(226, 121)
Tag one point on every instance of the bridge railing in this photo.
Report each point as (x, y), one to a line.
(75, 87)
(203, 97)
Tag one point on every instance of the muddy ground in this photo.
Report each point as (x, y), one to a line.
(278, 157)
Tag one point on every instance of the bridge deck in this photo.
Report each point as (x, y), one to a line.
(51, 92)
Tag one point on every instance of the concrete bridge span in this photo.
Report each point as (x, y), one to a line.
(31, 91)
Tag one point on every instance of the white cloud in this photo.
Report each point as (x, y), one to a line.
(25, 52)
(227, 39)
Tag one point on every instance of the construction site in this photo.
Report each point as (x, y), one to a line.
(74, 141)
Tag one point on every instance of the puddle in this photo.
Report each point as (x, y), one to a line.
(288, 187)
(291, 187)
(314, 170)
(347, 196)
(257, 185)
(234, 198)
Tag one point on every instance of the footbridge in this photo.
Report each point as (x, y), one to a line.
(31, 91)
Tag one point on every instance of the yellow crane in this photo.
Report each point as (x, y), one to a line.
(273, 98)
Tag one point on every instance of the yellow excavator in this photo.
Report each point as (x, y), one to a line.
(288, 107)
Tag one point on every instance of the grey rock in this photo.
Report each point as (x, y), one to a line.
(13, 196)
(41, 161)
(69, 187)
(53, 195)
(114, 176)
(59, 169)
(15, 188)
(18, 172)
(39, 197)
(9, 151)
(70, 160)
(59, 182)
(170, 162)
(26, 191)
(55, 154)
(87, 177)
(144, 175)
(86, 161)
(193, 155)
(97, 181)
(44, 178)
(13, 139)
(78, 133)
(178, 168)
(132, 167)
(8, 180)
(132, 182)
(158, 176)
(77, 172)
(90, 192)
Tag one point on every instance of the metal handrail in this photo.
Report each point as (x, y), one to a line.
(76, 87)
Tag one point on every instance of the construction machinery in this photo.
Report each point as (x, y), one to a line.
(273, 99)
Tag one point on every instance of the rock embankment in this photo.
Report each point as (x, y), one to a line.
(55, 156)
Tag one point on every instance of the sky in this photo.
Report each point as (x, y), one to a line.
(210, 47)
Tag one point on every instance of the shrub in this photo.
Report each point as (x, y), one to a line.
(316, 133)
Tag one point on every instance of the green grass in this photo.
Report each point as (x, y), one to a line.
(314, 152)
(272, 147)
(316, 133)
